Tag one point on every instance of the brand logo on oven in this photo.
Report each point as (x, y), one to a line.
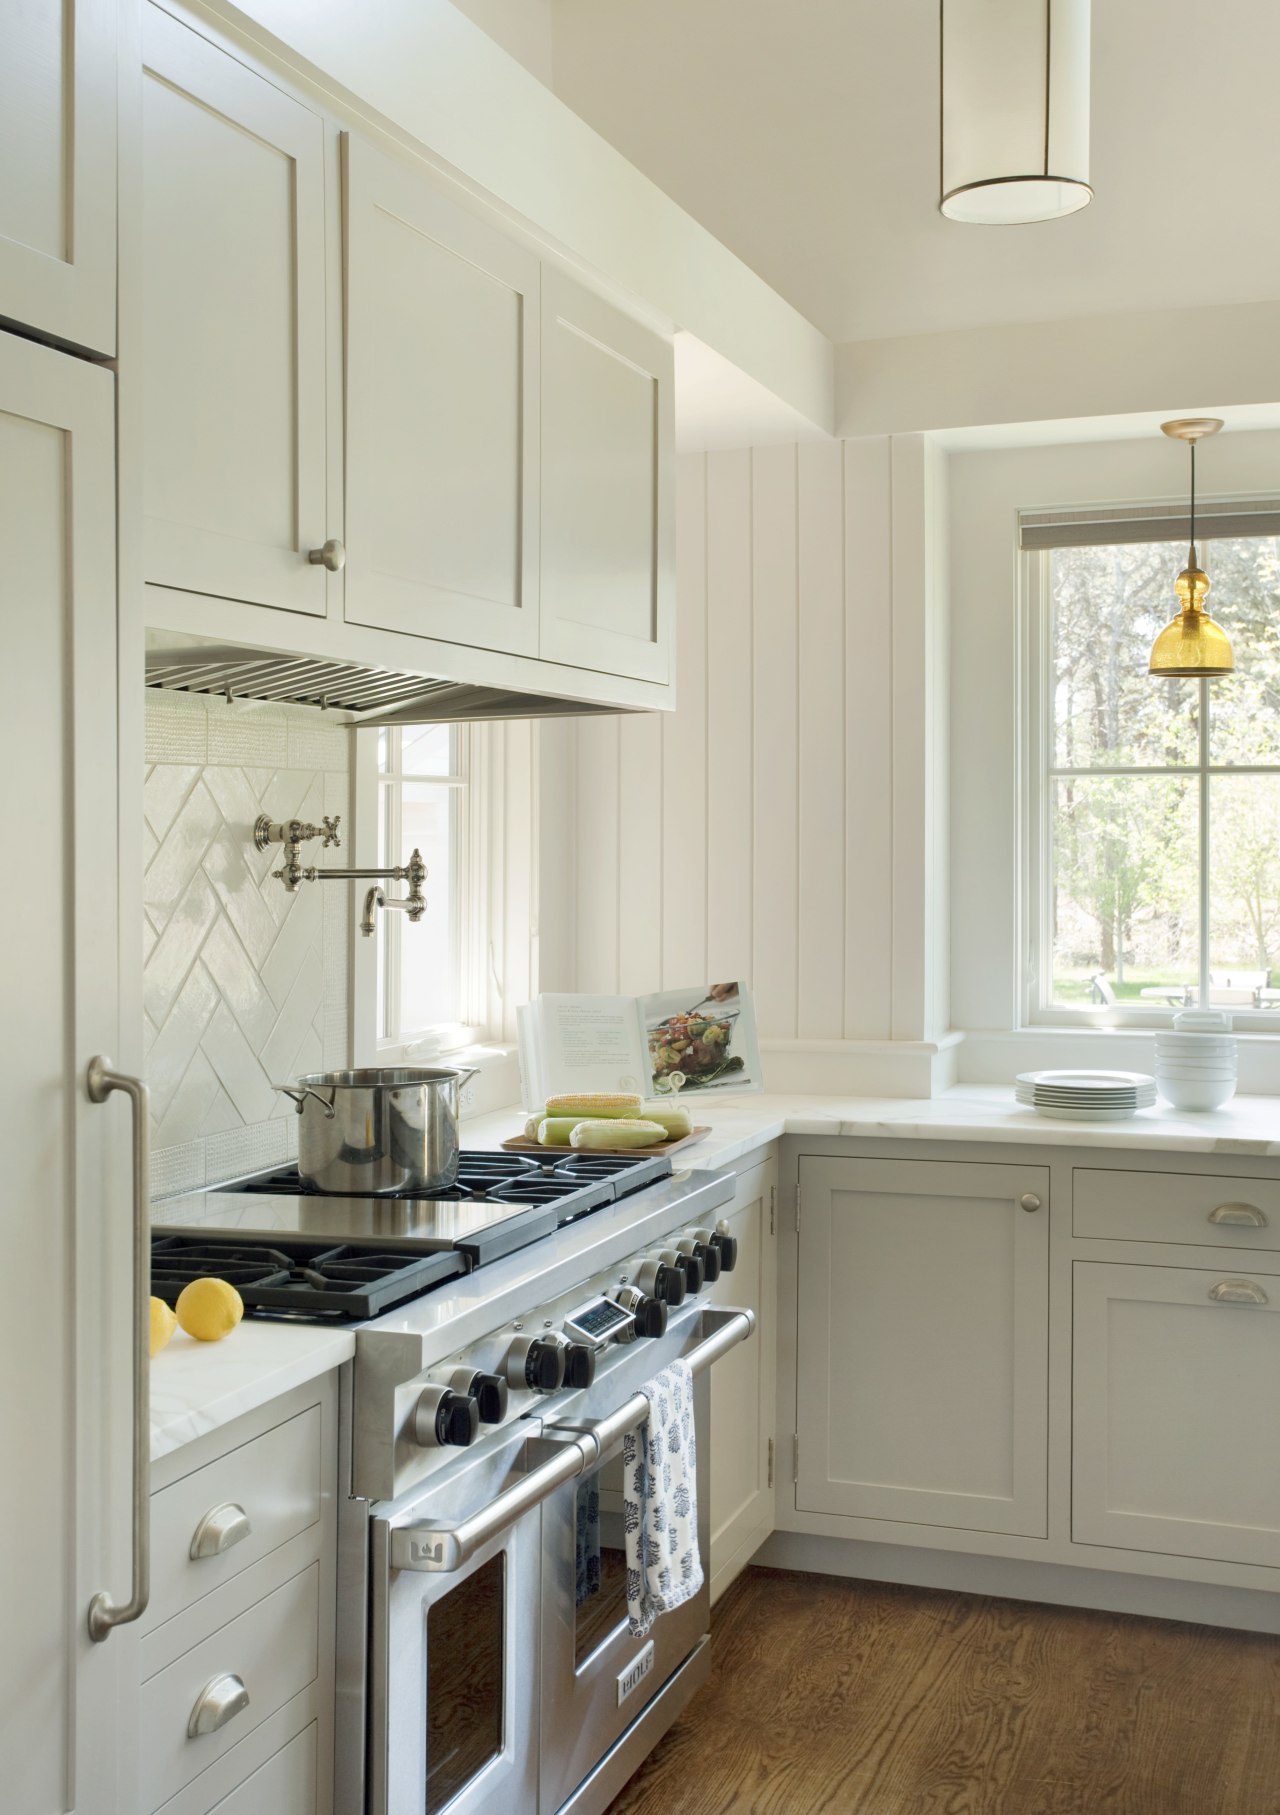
(423, 1550)
(635, 1673)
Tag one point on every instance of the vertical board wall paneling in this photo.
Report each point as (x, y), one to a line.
(683, 879)
(909, 746)
(820, 741)
(868, 851)
(516, 922)
(727, 718)
(554, 854)
(599, 855)
(775, 710)
(640, 865)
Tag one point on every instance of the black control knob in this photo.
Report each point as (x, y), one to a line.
(651, 1317)
(579, 1364)
(658, 1276)
(711, 1264)
(444, 1418)
(691, 1266)
(728, 1248)
(490, 1392)
(536, 1364)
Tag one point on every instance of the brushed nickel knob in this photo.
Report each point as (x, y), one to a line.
(1029, 1201)
(333, 556)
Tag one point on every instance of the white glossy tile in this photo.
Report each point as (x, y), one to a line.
(294, 1021)
(177, 1041)
(238, 983)
(239, 1070)
(244, 733)
(164, 791)
(178, 947)
(300, 934)
(185, 1117)
(181, 849)
(241, 899)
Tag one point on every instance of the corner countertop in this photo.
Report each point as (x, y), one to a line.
(196, 1387)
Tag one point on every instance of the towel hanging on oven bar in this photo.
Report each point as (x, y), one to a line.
(660, 1501)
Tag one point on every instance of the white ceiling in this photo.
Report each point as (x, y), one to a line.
(804, 134)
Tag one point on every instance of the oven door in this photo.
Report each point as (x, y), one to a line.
(453, 1689)
(597, 1677)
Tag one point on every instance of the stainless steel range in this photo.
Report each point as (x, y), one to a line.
(503, 1331)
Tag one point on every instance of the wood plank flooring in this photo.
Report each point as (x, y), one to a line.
(833, 1697)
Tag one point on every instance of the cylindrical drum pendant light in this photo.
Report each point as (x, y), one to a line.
(1015, 109)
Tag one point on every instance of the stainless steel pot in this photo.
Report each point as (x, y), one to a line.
(378, 1130)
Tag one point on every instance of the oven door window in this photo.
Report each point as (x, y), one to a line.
(465, 1630)
(600, 1559)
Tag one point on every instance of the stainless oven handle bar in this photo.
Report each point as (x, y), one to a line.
(428, 1546)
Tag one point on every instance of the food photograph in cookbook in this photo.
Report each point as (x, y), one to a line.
(698, 1045)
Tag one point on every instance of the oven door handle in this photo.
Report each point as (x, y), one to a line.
(428, 1546)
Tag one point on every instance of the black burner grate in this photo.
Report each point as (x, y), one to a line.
(315, 1280)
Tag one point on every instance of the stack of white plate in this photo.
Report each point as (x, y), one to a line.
(1196, 1070)
(1086, 1096)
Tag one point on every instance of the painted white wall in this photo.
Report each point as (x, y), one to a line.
(521, 27)
(987, 490)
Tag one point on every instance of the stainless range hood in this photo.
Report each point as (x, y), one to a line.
(351, 693)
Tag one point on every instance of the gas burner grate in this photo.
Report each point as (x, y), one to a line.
(315, 1280)
(478, 1174)
(590, 1168)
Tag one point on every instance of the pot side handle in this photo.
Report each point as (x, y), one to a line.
(300, 1096)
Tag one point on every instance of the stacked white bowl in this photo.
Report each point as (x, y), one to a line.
(1196, 1062)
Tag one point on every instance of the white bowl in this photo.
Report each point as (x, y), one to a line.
(1202, 1020)
(1197, 1093)
(1208, 1074)
(1197, 1042)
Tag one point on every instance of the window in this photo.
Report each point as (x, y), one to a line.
(1153, 832)
(425, 800)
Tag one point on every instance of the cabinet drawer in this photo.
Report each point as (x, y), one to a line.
(273, 1649)
(1211, 1211)
(285, 1785)
(274, 1481)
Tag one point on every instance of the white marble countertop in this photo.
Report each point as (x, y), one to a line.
(198, 1386)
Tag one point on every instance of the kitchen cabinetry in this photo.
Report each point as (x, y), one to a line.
(1176, 1376)
(241, 1622)
(742, 1384)
(923, 1342)
(608, 516)
(58, 150)
(442, 414)
(235, 360)
(65, 1408)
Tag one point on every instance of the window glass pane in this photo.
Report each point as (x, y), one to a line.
(1123, 891)
(426, 749)
(1244, 887)
(1107, 606)
(1244, 597)
(429, 959)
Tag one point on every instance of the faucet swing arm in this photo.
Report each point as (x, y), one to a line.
(290, 835)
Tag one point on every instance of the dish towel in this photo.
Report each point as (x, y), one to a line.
(587, 1548)
(660, 1501)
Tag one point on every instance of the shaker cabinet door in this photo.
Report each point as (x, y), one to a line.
(1176, 1377)
(608, 441)
(65, 1427)
(442, 414)
(58, 156)
(923, 1342)
(234, 351)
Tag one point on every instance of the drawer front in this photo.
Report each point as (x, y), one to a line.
(273, 1649)
(1210, 1211)
(271, 1486)
(285, 1785)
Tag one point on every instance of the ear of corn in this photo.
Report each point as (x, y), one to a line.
(554, 1130)
(628, 1132)
(595, 1103)
(676, 1120)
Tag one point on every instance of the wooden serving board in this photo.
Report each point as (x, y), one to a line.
(520, 1143)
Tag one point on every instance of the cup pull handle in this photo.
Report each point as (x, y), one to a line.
(1237, 1292)
(1238, 1216)
(219, 1530)
(221, 1699)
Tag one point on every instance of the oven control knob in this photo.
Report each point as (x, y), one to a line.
(579, 1364)
(535, 1364)
(443, 1417)
(488, 1390)
(708, 1255)
(658, 1276)
(691, 1266)
(725, 1245)
(650, 1313)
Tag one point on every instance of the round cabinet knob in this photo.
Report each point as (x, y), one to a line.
(535, 1364)
(579, 1365)
(1029, 1201)
(445, 1419)
(333, 556)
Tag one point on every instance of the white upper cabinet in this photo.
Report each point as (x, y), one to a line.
(442, 415)
(608, 438)
(234, 325)
(58, 155)
(65, 1404)
(923, 1343)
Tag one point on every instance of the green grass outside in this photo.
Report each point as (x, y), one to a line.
(1072, 987)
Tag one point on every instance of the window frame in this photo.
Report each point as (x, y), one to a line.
(1037, 772)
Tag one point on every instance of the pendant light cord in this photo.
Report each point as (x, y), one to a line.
(1193, 504)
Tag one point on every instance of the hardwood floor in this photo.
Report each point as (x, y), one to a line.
(832, 1697)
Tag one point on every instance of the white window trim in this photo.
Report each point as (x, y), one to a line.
(1035, 746)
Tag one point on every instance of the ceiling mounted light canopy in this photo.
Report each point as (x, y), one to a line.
(1015, 110)
(1192, 646)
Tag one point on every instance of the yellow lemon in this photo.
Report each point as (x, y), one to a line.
(163, 1324)
(209, 1309)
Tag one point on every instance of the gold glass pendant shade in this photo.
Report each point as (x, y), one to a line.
(1192, 647)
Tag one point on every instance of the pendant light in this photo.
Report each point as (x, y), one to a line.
(1015, 110)
(1192, 646)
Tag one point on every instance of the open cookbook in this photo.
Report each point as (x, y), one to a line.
(684, 1042)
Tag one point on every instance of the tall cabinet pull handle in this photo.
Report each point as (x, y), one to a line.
(1243, 1216)
(104, 1613)
(1237, 1292)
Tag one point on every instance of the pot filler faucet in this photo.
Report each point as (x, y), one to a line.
(292, 834)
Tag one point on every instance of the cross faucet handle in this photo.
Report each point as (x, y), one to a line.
(331, 834)
(293, 832)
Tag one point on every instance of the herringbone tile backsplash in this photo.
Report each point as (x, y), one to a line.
(244, 984)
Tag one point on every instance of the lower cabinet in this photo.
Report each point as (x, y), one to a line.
(1176, 1377)
(923, 1308)
(742, 1385)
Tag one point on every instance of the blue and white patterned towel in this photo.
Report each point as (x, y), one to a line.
(660, 1501)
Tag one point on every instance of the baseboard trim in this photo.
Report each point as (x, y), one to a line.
(1010, 1578)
